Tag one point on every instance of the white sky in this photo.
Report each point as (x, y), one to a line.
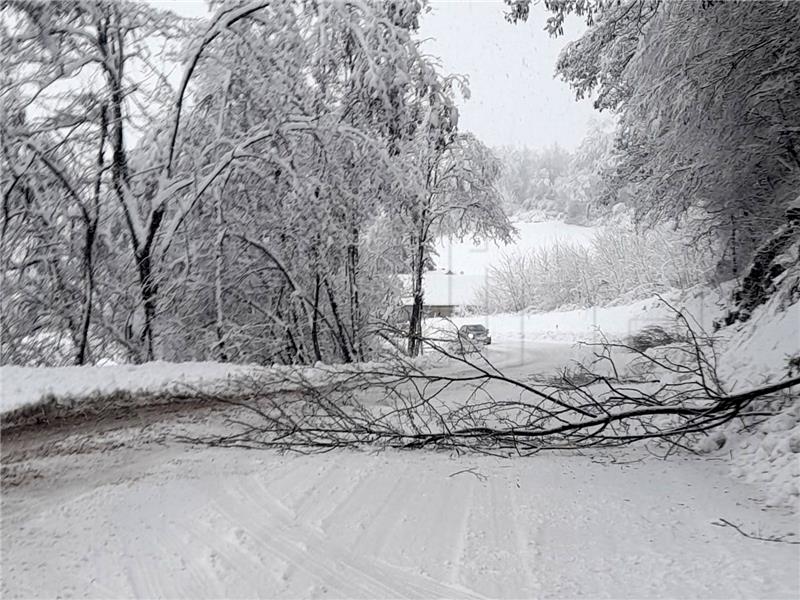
(516, 99)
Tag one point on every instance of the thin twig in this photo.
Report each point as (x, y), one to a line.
(781, 539)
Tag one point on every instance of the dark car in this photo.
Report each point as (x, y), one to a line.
(475, 334)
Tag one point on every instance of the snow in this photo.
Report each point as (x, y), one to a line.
(758, 350)
(23, 386)
(587, 324)
(475, 259)
(755, 353)
(448, 289)
(184, 522)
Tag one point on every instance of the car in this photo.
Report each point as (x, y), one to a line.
(474, 335)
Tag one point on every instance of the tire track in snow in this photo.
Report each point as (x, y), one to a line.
(462, 525)
(238, 569)
(333, 566)
(259, 523)
(332, 490)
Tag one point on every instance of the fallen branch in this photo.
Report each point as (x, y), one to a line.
(673, 396)
(782, 539)
(480, 476)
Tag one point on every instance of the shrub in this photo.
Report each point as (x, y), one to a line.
(619, 262)
(652, 337)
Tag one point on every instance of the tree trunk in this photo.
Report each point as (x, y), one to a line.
(111, 48)
(149, 291)
(352, 281)
(92, 220)
(218, 265)
(315, 321)
(341, 334)
(415, 321)
(86, 316)
(219, 255)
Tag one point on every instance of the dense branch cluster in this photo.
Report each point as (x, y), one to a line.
(260, 211)
(706, 98)
(666, 395)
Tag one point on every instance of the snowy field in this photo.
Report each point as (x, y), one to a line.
(475, 259)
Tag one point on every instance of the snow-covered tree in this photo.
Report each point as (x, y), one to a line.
(333, 94)
(460, 198)
(706, 97)
(238, 216)
(83, 73)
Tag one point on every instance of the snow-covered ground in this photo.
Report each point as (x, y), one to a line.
(21, 386)
(755, 353)
(179, 522)
(588, 324)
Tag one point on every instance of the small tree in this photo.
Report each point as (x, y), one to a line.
(460, 198)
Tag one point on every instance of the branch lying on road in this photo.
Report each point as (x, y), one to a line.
(668, 394)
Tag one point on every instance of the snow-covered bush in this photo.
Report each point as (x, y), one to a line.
(652, 336)
(620, 261)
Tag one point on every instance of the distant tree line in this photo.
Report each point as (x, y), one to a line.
(555, 183)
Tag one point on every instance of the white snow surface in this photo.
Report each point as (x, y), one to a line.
(443, 288)
(755, 353)
(178, 522)
(591, 324)
(21, 386)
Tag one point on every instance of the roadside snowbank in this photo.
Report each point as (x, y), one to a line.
(22, 386)
(25, 387)
(765, 349)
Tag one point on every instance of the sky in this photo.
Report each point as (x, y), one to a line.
(516, 100)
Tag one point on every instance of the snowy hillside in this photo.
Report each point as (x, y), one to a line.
(764, 349)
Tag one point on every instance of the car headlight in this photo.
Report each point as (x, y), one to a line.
(471, 336)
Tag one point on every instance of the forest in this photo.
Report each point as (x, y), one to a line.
(259, 206)
(257, 212)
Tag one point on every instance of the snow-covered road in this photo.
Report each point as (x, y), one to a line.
(117, 508)
(180, 522)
